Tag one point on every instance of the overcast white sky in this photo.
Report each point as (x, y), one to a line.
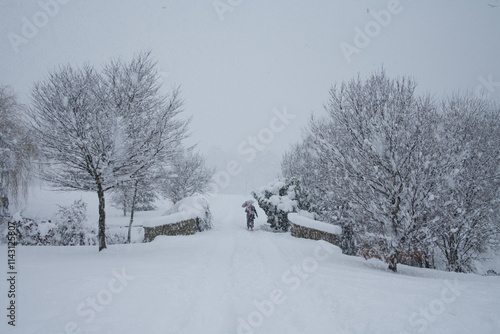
(235, 67)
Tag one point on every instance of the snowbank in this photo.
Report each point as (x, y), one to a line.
(300, 219)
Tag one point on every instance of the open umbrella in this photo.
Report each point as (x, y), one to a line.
(247, 203)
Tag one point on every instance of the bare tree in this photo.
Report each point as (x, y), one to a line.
(466, 205)
(369, 154)
(136, 195)
(321, 181)
(413, 180)
(17, 151)
(134, 91)
(99, 130)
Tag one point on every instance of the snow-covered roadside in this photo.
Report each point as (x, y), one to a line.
(44, 204)
(230, 280)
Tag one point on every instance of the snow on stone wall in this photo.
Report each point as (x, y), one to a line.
(307, 228)
(186, 227)
(186, 217)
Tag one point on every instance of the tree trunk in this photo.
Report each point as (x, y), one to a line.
(124, 207)
(393, 260)
(101, 236)
(393, 263)
(4, 210)
(4, 206)
(132, 210)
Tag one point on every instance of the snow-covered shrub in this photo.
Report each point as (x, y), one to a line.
(70, 226)
(277, 199)
(27, 232)
(115, 236)
(205, 222)
(30, 232)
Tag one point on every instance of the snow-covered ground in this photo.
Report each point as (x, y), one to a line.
(230, 280)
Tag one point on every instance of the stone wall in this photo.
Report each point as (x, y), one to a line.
(310, 233)
(186, 227)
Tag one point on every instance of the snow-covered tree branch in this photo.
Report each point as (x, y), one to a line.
(410, 178)
(98, 130)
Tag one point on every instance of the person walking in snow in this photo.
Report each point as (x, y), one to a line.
(251, 214)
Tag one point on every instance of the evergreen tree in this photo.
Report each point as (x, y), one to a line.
(278, 199)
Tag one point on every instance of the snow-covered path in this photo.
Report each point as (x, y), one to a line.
(230, 280)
